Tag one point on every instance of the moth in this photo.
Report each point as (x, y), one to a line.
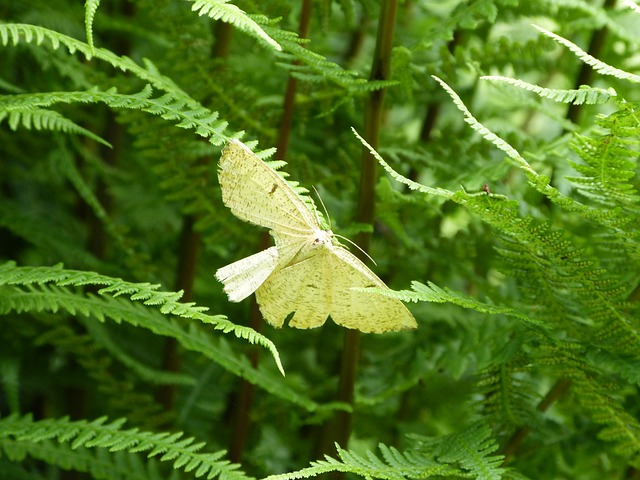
(307, 271)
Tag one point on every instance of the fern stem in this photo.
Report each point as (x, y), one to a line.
(241, 419)
(380, 69)
(586, 71)
(244, 397)
(292, 85)
(189, 247)
(222, 32)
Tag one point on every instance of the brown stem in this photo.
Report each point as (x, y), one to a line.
(244, 397)
(222, 32)
(586, 71)
(292, 85)
(380, 69)
(189, 247)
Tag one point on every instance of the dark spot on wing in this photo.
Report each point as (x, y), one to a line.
(273, 189)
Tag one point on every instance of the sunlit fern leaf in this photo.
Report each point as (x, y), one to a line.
(230, 13)
(598, 65)
(584, 95)
(90, 8)
(394, 465)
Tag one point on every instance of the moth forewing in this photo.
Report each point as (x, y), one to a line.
(257, 194)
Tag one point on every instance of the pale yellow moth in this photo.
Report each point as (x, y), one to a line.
(307, 272)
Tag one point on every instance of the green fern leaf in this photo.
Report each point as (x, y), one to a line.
(90, 8)
(584, 95)
(112, 438)
(39, 119)
(230, 13)
(598, 65)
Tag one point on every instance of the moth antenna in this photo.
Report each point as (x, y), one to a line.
(323, 206)
(357, 246)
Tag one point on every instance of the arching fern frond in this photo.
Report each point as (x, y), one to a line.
(97, 462)
(183, 452)
(585, 94)
(184, 113)
(609, 219)
(52, 299)
(312, 67)
(395, 465)
(14, 33)
(40, 119)
(458, 455)
(598, 65)
(230, 13)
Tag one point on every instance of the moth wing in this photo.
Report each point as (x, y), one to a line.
(364, 311)
(299, 287)
(254, 192)
(322, 286)
(242, 278)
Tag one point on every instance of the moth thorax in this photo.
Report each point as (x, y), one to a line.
(322, 237)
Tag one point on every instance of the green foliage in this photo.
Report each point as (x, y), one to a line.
(506, 216)
(22, 436)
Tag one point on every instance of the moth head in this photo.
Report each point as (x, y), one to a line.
(322, 237)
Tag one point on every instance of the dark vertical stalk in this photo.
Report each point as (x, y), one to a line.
(244, 397)
(365, 211)
(292, 85)
(586, 72)
(189, 247)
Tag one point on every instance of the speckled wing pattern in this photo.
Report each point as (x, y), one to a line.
(257, 194)
(321, 285)
(305, 272)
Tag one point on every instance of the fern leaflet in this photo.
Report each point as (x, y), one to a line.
(183, 452)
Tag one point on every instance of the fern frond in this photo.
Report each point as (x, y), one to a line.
(509, 395)
(230, 13)
(52, 300)
(312, 67)
(13, 33)
(584, 95)
(40, 119)
(441, 192)
(595, 393)
(544, 260)
(184, 113)
(183, 452)
(396, 466)
(609, 163)
(470, 450)
(90, 8)
(99, 463)
(610, 219)
(598, 65)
